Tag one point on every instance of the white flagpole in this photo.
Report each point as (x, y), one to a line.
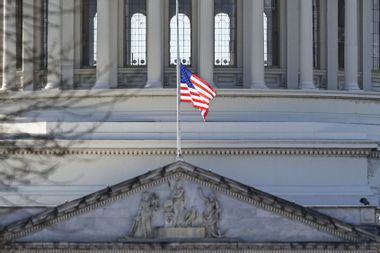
(179, 151)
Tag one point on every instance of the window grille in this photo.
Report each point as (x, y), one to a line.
(270, 18)
(136, 25)
(19, 21)
(44, 34)
(184, 32)
(89, 32)
(316, 34)
(375, 35)
(341, 24)
(225, 32)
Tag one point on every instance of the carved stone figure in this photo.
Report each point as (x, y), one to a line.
(180, 221)
(174, 206)
(211, 214)
(178, 200)
(142, 223)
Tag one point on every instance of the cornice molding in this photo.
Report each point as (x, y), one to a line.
(205, 246)
(375, 154)
(197, 152)
(302, 94)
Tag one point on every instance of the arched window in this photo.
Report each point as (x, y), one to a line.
(136, 25)
(316, 34)
(89, 32)
(184, 32)
(19, 21)
(222, 39)
(376, 35)
(271, 34)
(225, 32)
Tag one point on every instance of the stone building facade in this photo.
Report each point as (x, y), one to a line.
(291, 141)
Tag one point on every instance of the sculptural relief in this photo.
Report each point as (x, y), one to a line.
(190, 217)
(211, 214)
(175, 211)
(183, 217)
(142, 223)
(177, 199)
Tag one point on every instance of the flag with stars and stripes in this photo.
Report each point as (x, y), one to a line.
(196, 91)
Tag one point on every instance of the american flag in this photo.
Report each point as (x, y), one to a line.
(196, 91)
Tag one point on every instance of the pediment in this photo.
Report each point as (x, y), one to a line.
(183, 203)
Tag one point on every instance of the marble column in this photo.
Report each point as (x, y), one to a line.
(106, 47)
(155, 48)
(292, 28)
(9, 45)
(54, 67)
(247, 19)
(332, 44)
(351, 46)
(367, 44)
(306, 44)
(257, 40)
(206, 40)
(68, 42)
(27, 77)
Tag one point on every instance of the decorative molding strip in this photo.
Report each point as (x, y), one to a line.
(196, 152)
(375, 154)
(229, 93)
(203, 247)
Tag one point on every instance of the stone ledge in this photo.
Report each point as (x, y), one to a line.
(326, 94)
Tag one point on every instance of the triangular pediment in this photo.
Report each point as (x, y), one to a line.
(183, 203)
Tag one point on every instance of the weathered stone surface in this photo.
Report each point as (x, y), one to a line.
(181, 233)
